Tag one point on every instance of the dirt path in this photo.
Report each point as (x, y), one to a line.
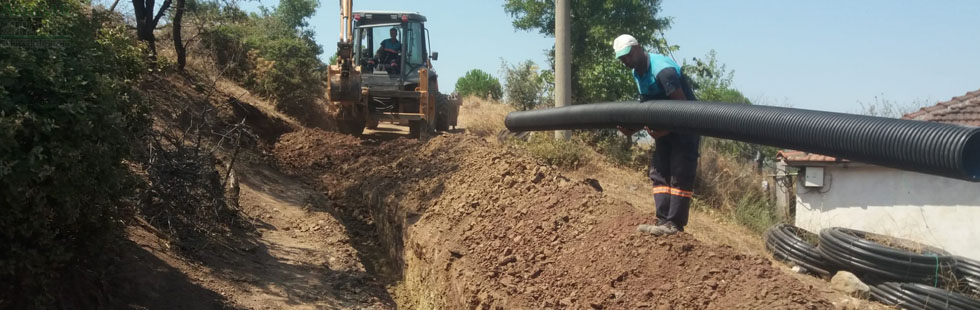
(305, 258)
(297, 254)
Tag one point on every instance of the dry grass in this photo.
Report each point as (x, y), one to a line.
(734, 187)
(723, 181)
(483, 117)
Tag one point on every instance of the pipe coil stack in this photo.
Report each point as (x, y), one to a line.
(789, 243)
(900, 272)
(919, 296)
(864, 254)
(968, 274)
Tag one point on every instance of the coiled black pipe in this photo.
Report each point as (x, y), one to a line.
(968, 274)
(934, 148)
(855, 251)
(787, 242)
(919, 296)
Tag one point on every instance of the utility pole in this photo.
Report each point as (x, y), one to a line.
(563, 64)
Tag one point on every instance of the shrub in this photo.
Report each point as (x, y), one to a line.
(525, 88)
(733, 186)
(480, 84)
(67, 121)
(617, 149)
(754, 211)
(271, 54)
(561, 153)
(228, 49)
(287, 69)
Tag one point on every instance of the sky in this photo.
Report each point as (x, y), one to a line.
(822, 55)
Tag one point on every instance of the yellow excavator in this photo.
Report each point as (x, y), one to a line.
(384, 73)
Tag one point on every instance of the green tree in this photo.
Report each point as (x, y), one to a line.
(476, 82)
(273, 53)
(525, 87)
(69, 117)
(295, 12)
(713, 81)
(596, 74)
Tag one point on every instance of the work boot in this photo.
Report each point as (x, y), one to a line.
(667, 228)
(646, 228)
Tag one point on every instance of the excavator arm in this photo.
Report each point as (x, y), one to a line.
(344, 92)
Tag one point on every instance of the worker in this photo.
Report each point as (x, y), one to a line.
(390, 47)
(675, 159)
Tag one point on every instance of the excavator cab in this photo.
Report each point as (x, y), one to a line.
(397, 82)
(388, 41)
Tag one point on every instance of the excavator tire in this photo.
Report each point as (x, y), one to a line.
(442, 113)
(351, 127)
(420, 129)
(372, 124)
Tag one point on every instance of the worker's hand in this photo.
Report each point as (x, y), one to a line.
(626, 131)
(656, 134)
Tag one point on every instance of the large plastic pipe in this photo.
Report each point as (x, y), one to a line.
(933, 148)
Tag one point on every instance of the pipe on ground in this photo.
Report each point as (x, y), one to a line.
(933, 148)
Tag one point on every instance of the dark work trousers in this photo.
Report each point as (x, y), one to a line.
(672, 170)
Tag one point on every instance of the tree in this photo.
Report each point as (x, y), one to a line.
(713, 81)
(179, 47)
(524, 88)
(70, 118)
(596, 74)
(146, 22)
(295, 12)
(476, 82)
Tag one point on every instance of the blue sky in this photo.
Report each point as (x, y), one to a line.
(823, 55)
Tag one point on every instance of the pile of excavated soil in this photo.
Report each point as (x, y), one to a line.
(316, 149)
(476, 225)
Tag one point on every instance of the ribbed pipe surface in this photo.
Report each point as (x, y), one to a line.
(934, 148)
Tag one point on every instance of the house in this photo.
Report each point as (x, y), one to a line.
(934, 210)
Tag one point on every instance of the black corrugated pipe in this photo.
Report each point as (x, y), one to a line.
(934, 148)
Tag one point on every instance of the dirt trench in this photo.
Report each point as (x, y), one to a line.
(459, 223)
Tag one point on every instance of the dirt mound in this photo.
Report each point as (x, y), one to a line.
(316, 149)
(476, 225)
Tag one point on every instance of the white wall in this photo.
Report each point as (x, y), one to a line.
(934, 210)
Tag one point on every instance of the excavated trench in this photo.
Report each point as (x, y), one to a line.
(459, 223)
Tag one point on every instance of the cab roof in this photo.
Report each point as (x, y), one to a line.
(384, 17)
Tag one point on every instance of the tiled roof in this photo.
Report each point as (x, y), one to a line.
(793, 156)
(962, 110)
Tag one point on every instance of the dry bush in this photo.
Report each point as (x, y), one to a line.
(483, 117)
(188, 161)
(734, 187)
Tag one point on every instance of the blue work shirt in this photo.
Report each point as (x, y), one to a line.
(649, 86)
(392, 44)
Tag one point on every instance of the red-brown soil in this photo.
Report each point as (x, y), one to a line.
(470, 224)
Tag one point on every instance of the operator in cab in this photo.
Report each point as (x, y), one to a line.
(390, 48)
